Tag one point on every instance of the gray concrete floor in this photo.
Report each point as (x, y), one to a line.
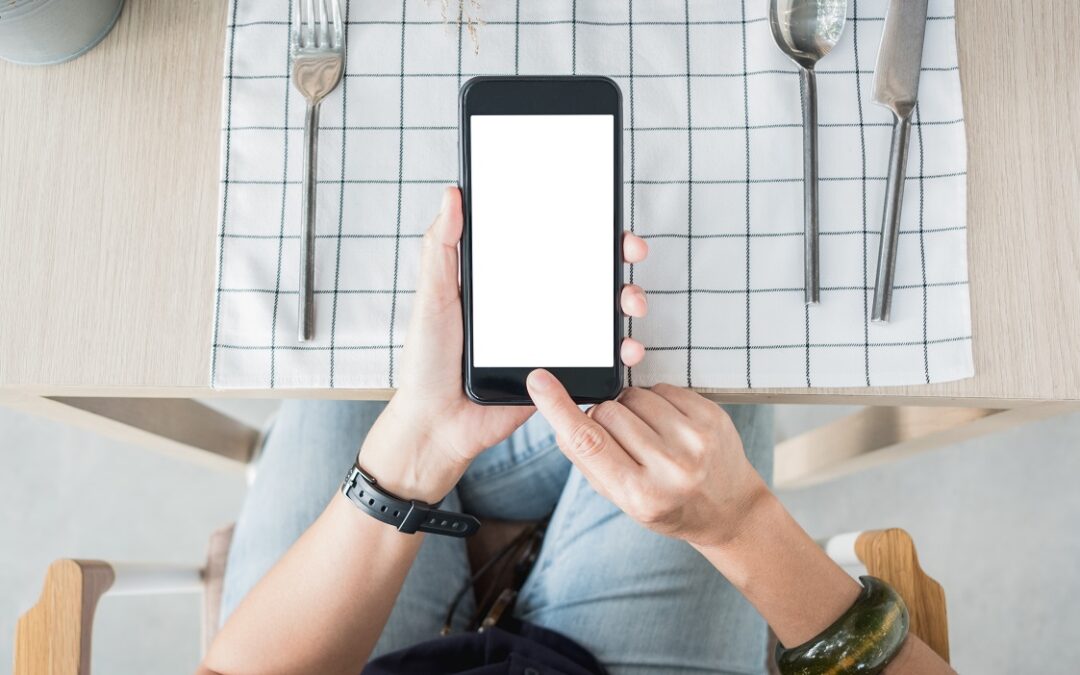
(994, 520)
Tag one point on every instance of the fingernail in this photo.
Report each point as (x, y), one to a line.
(539, 380)
(445, 201)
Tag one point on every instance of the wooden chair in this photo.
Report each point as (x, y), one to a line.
(54, 636)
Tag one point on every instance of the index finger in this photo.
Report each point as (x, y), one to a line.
(591, 447)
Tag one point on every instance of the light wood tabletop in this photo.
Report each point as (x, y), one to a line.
(109, 205)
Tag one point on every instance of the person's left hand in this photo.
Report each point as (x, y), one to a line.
(430, 431)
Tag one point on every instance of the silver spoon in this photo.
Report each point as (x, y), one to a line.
(807, 30)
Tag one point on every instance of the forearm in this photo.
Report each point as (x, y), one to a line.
(783, 573)
(322, 607)
(795, 586)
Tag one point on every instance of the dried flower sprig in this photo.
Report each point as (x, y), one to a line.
(467, 14)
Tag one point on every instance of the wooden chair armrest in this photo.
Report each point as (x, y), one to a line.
(217, 555)
(890, 556)
(53, 636)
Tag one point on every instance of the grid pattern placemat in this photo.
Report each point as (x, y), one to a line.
(713, 182)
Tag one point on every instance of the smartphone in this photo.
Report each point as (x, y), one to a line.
(541, 179)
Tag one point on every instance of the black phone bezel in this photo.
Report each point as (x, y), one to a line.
(541, 95)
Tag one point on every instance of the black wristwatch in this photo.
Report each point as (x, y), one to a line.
(407, 515)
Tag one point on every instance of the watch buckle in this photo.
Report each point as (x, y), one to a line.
(413, 518)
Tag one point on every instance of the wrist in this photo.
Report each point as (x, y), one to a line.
(777, 567)
(403, 456)
(759, 511)
(732, 509)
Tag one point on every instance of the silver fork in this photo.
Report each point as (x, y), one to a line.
(317, 44)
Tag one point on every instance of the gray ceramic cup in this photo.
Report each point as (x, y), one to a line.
(42, 32)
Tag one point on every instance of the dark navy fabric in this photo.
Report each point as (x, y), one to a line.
(515, 648)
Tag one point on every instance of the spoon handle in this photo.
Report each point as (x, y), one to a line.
(811, 285)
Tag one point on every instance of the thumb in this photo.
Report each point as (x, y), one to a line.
(588, 445)
(439, 262)
(448, 223)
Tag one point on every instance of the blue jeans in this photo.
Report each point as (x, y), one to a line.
(639, 601)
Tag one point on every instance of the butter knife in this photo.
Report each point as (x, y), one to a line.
(896, 86)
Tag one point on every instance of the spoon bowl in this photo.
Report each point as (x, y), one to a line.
(807, 30)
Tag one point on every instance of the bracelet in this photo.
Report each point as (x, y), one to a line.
(407, 515)
(863, 640)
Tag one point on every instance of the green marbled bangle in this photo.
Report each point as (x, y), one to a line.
(863, 640)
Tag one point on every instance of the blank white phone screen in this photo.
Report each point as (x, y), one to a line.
(542, 240)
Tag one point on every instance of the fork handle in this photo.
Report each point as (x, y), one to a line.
(307, 225)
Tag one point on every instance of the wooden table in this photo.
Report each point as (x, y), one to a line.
(109, 205)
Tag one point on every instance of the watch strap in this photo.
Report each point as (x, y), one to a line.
(407, 515)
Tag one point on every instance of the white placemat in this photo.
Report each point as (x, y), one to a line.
(714, 183)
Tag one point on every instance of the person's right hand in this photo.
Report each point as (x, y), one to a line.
(671, 459)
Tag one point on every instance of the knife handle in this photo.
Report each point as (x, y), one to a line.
(890, 225)
(811, 275)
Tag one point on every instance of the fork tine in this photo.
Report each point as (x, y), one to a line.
(322, 29)
(339, 29)
(302, 23)
(307, 11)
(294, 33)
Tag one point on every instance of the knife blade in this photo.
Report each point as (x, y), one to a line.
(899, 61)
(896, 86)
